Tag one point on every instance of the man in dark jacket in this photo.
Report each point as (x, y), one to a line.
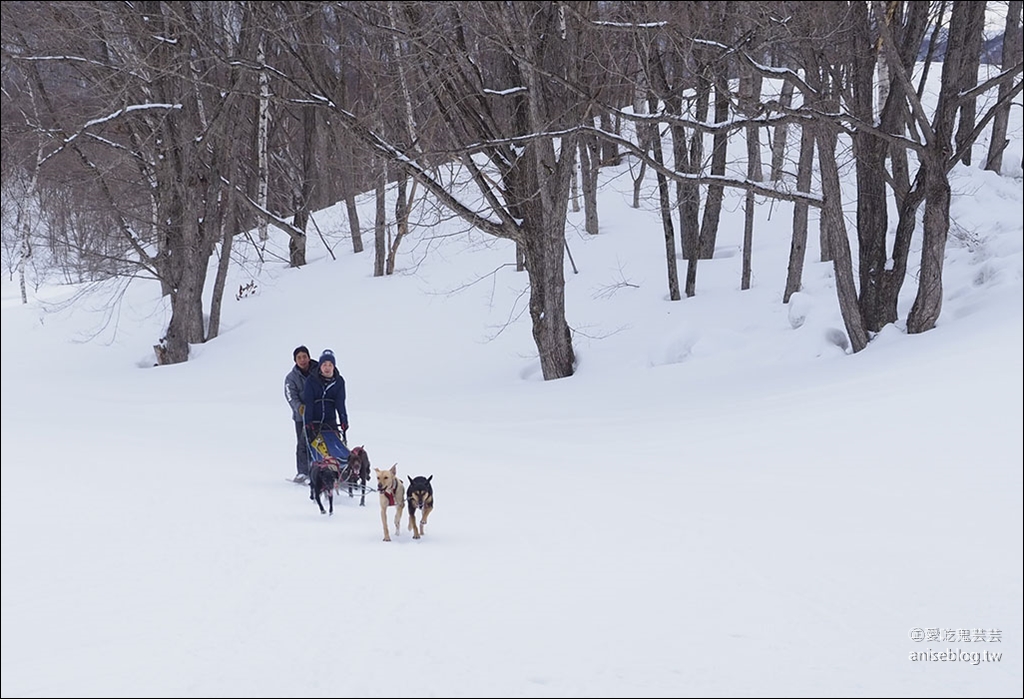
(324, 400)
(294, 382)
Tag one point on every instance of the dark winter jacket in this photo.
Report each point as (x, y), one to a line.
(294, 382)
(324, 398)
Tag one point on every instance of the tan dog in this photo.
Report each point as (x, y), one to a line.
(392, 494)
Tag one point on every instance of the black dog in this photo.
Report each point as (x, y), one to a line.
(419, 494)
(323, 475)
(357, 471)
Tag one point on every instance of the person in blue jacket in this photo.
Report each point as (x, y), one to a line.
(324, 399)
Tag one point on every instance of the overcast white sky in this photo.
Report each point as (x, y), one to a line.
(721, 501)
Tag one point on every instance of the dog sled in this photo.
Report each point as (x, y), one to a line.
(328, 450)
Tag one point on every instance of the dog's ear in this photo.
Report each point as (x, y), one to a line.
(394, 469)
(410, 479)
(429, 477)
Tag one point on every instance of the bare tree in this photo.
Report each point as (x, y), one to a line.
(781, 134)
(869, 151)
(970, 62)
(21, 194)
(750, 93)
(719, 156)
(380, 224)
(515, 119)
(665, 205)
(150, 131)
(965, 24)
(798, 245)
(262, 138)
(404, 195)
(1012, 54)
(900, 38)
(589, 152)
(835, 229)
(156, 114)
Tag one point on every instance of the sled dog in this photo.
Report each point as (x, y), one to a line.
(392, 494)
(356, 473)
(323, 475)
(420, 496)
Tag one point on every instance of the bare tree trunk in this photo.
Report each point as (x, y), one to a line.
(324, 56)
(869, 151)
(403, 203)
(547, 296)
(349, 194)
(748, 239)
(403, 198)
(750, 98)
(892, 280)
(589, 152)
(543, 234)
(411, 127)
(304, 201)
(689, 200)
(719, 152)
(540, 180)
(834, 227)
(1011, 55)
(882, 71)
(687, 194)
(971, 62)
(229, 226)
(26, 207)
(353, 221)
(781, 134)
(798, 246)
(666, 223)
(645, 135)
(928, 302)
(186, 325)
(380, 223)
(638, 183)
(262, 138)
(25, 250)
(574, 189)
(824, 244)
(959, 72)
(609, 150)
(900, 42)
(187, 278)
(27, 204)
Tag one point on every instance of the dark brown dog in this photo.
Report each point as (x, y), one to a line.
(356, 472)
(420, 496)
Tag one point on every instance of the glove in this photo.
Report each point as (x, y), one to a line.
(302, 409)
(344, 426)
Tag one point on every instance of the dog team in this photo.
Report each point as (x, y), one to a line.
(315, 391)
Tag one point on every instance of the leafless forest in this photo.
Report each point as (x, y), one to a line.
(144, 139)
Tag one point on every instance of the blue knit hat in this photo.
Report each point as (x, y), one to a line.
(327, 356)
